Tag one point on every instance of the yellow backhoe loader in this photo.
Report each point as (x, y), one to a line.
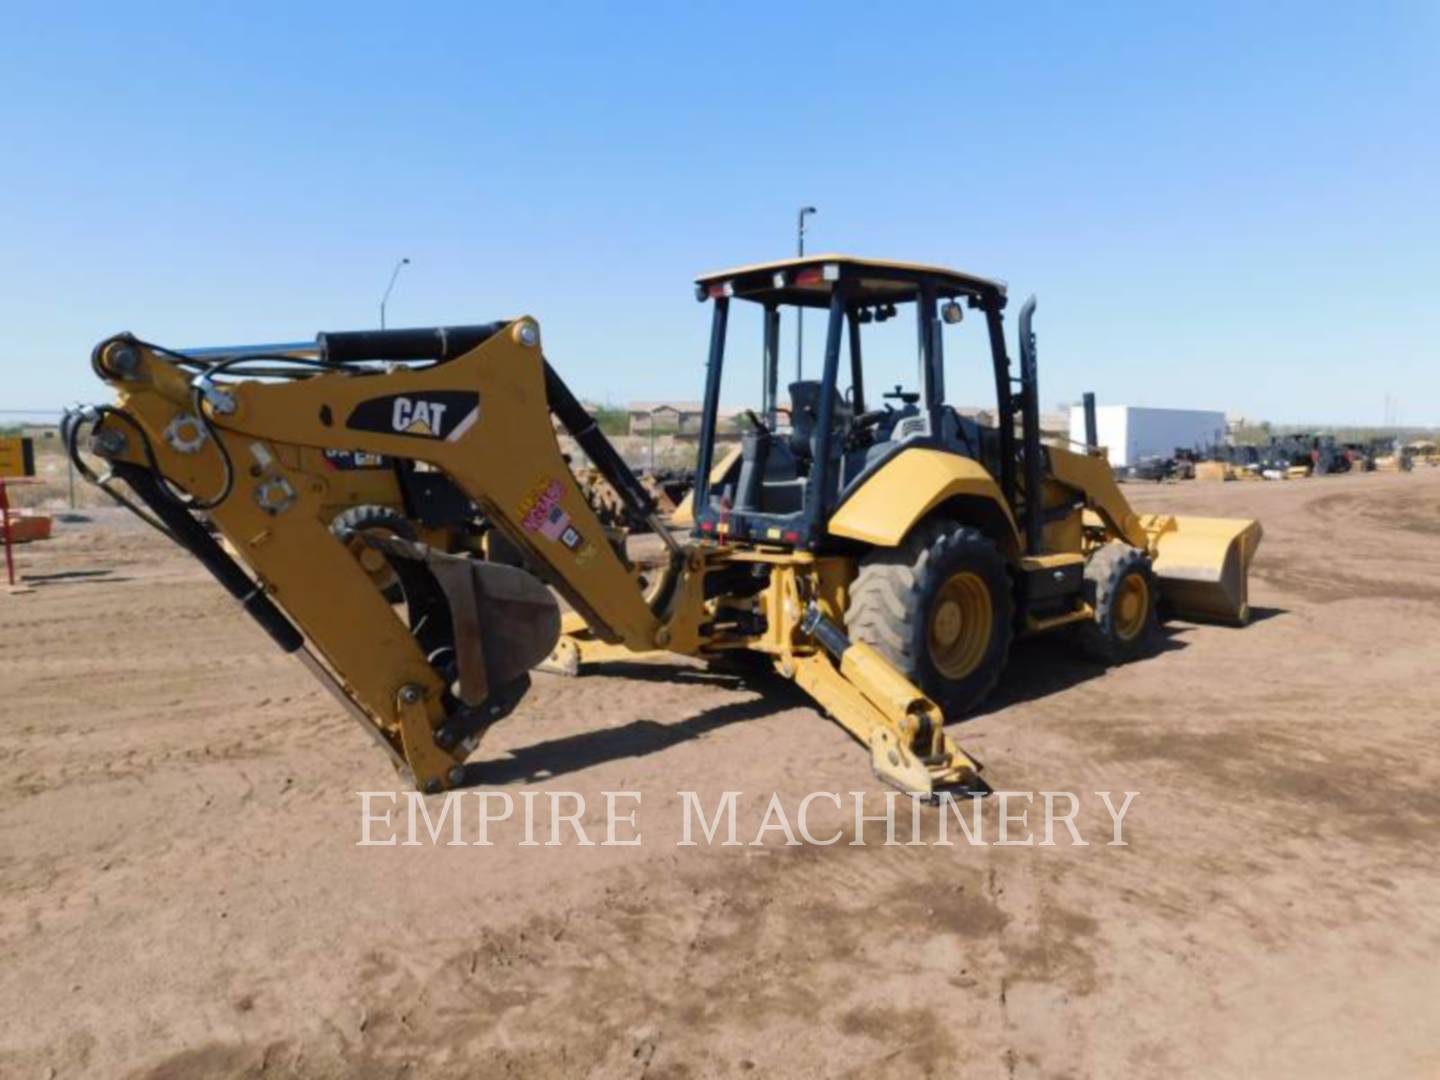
(881, 557)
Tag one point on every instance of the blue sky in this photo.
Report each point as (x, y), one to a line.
(1220, 206)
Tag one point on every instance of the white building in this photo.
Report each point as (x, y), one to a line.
(1131, 432)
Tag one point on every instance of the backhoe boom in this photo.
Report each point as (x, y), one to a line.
(249, 439)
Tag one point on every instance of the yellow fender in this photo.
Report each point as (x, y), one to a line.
(913, 484)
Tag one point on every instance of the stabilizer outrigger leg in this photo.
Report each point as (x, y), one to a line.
(904, 729)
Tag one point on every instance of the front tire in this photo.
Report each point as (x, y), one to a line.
(1120, 586)
(938, 607)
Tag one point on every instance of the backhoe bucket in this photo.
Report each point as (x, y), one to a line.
(1203, 564)
(505, 620)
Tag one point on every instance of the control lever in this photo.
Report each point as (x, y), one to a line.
(755, 422)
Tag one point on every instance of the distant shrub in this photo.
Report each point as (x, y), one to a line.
(611, 420)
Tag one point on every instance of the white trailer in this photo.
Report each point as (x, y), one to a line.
(1132, 432)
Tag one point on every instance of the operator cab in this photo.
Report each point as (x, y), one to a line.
(799, 462)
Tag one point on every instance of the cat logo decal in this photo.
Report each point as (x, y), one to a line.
(440, 414)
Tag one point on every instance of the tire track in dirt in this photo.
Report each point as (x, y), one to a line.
(657, 961)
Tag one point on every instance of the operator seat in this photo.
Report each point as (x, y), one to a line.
(805, 400)
(775, 469)
(769, 481)
(805, 419)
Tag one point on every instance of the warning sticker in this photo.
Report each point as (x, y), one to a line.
(540, 509)
(540, 512)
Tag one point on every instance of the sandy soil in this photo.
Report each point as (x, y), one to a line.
(183, 894)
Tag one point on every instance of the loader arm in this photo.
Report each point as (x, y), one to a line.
(1092, 477)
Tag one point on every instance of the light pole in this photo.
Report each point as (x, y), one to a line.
(800, 311)
(385, 299)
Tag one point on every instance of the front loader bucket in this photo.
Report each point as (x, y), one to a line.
(1203, 564)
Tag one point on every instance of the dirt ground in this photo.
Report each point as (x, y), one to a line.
(183, 894)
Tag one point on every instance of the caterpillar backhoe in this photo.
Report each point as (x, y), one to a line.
(883, 558)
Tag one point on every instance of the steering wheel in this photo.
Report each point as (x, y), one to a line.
(909, 397)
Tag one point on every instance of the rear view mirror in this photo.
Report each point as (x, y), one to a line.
(951, 312)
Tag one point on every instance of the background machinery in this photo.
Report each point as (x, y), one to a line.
(882, 557)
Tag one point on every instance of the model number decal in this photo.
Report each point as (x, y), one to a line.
(352, 460)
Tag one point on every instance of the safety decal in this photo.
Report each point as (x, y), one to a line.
(540, 504)
(540, 512)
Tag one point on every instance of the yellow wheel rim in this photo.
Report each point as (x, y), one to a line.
(1132, 606)
(960, 625)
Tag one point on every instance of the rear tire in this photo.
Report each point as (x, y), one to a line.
(939, 608)
(1120, 586)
